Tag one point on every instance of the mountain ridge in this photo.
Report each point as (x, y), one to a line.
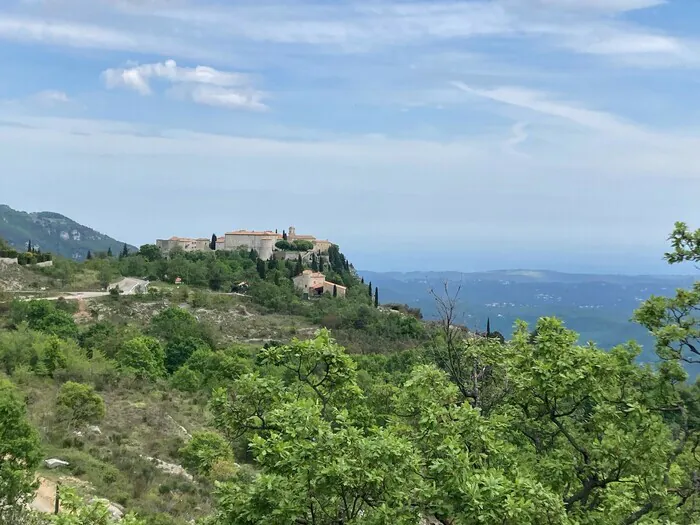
(54, 232)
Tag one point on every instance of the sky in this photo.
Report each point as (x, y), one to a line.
(418, 135)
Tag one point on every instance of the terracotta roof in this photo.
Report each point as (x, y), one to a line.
(334, 284)
(246, 232)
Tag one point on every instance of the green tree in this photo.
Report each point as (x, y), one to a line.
(109, 252)
(376, 297)
(674, 321)
(320, 263)
(335, 290)
(143, 356)
(299, 268)
(89, 255)
(124, 252)
(175, 323)
(314, 262)
(45, 317)
(20, 454)
(150, 252)
(178, 351)
(212, 243)
(262, 268)
(79, 404)
(369, 289)
(219, 276)
(202, 453)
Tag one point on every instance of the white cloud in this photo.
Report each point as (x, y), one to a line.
(604, 6)
(52, 97)
(202, 30)
(202, 84)
(543, 103)
(227, 98)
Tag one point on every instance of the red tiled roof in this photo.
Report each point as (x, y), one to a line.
(246, 232)
(338, 285)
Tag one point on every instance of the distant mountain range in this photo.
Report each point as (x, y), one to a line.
(598, 307)
(53, 232)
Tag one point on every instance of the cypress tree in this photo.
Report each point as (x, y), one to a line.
(253, 255)
(376, 297)
(262, 269)
(370, 289)
(89, 255)
(488, 327)
(29, 245)
(335, 290)
(272, 263)
(300, 266)
(314, 262)
(212, 244)
(362, 280)
(320, 263)
(109, 252)
(284, 235)
(125, 252)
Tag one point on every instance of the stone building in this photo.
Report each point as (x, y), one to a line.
(186, 243)
(321, 246)
(262, 242)
(315, 284)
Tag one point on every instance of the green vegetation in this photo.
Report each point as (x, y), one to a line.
(50, 232)
(386, 419)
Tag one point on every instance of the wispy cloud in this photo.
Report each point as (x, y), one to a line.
(201, 84)
(544, 103)
(52, 97)
(187, 28)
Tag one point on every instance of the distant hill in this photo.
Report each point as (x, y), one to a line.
(53, 232)
(598, 307)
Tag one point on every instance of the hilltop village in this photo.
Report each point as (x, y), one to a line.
(268, 244)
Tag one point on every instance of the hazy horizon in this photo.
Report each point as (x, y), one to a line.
(415, 134)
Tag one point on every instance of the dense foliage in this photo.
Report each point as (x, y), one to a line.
(448, 426)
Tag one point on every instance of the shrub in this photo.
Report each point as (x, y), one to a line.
(143, 356)
(186, 379)
(204, 451)
(79, 404)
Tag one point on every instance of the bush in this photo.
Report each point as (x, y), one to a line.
(186, 379)
(178, 351)
(143, 356)
(205, 451)
(79, 404)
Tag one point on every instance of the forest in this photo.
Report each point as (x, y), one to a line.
(361, 414)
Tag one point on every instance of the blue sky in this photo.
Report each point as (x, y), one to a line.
(473, 134)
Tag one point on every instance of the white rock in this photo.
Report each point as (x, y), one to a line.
(55, 463)
(94, 429)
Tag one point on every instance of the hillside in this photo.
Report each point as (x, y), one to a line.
(53, 232)
(308, 407)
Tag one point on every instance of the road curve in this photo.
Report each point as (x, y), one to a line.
(128, 286)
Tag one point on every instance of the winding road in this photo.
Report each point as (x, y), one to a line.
(128, 286)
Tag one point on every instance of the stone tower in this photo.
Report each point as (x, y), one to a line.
(291, 233)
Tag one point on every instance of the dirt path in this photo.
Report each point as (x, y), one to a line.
(45, 496)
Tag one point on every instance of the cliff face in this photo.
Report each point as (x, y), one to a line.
(53, 232)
